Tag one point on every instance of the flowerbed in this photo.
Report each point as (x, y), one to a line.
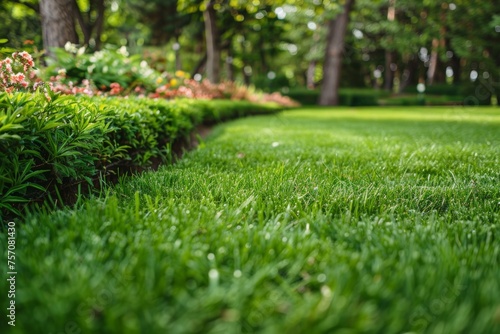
(91, 120)
(114, 72)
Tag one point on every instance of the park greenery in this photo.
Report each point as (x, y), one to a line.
(145, 199)
(313, 220)
(280, 45)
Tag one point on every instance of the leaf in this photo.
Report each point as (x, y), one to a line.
(51, 125)
(14, 199)
(10, 127)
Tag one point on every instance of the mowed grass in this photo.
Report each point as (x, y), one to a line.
(312, 221)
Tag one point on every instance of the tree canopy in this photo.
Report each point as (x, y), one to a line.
(389, 44)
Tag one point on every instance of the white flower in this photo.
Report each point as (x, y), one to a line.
(70, 47)
(123, 51)
(81, 51)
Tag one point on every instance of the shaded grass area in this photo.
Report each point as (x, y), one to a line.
(315, 220)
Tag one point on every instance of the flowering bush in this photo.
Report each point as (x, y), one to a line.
(106, 73)
(10, 76)
(225, 90)
(104, 70)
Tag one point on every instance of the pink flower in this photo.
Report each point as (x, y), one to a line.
(8, 68)
(20, 76)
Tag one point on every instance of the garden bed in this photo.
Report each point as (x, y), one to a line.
(59, 146)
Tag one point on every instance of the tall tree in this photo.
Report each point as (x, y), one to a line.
(389, 54)
(91, 22)
(213, 45)
(58, 23)
(333, 56)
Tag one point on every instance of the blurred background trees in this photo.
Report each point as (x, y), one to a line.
(284, 45)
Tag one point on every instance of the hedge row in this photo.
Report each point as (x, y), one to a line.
(479, 93)
(347, 97)
(54, 147)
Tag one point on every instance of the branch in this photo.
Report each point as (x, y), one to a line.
(81, 22)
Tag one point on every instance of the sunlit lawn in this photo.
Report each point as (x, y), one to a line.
(311, 221)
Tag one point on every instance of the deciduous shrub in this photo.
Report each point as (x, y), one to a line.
(47, 143)
(111, 66)
(347, 97)
(51, 143)
(50, 146)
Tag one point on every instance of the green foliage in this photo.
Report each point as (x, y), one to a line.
(271, 85)
(20, 25)
(348, 97)
(50, 145)
(45, 142)
(359, 97)
(306, 97)
(340, 220)
(438, 89)
(110, 65)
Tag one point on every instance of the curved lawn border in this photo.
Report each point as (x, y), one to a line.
(59, 147)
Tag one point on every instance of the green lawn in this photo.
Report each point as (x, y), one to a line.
(311, 221)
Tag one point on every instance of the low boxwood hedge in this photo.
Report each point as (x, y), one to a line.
(350, 97)
(55, 146)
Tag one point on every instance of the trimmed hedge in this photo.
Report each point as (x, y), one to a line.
(473, 94)
(50, 148)
(469, 94)
(437, 89)
(347, 97)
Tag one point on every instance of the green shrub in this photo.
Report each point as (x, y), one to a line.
(45, 143)
(304, 96)
(266, 84)
(102, 68)
(347, 96)
(413, 100)
(360, 97)
(477, 94)
(437, 89)
(49, 146)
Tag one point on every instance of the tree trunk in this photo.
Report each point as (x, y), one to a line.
(389, 55)
(246, 77)
(212, 41)
(457, 69)
(497, 91)
(81, 22)
(311, 69)
(58, 24)
(409, 75)
(437, 44)
(333, 56)
(389, 73)
(87, 26)
(431, 73)
(99, 23)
